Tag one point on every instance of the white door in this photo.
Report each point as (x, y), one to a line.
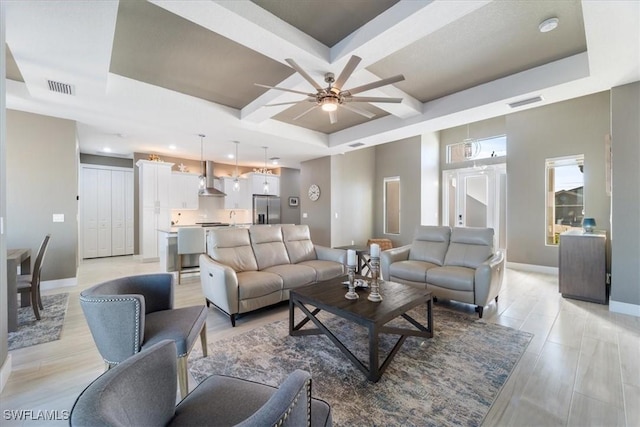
(89, 199)
(104, 212)
(117, 213)
(128, 212)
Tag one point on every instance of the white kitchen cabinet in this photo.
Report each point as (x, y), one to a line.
(155, 211)
(240, 199)
(184, 190)
(257, 184)
(106, 211)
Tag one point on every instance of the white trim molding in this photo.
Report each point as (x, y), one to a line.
(5, 371)
(59, 283)
(624, 308)
(533, 268)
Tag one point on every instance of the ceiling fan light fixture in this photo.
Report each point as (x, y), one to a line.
(329, 104)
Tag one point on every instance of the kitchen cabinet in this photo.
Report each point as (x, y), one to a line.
(237, 199)
(106, 211)
(582, 265)
(184, 190)
(257, 184)
(155, 212)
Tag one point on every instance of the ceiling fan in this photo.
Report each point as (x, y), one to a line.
(332, 96)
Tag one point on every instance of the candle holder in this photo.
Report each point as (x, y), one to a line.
(351, 272)
(374, 295)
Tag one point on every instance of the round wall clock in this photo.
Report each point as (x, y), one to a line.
(314, 192)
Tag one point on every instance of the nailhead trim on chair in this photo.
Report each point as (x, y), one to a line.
(137, 325)
(284, 417)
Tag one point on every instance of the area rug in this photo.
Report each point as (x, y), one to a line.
(449, 380)
(48, 328)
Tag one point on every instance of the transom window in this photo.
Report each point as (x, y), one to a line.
(476, 149)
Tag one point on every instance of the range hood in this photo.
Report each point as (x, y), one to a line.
(210, 181)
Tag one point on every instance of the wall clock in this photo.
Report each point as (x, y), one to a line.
(314, 192)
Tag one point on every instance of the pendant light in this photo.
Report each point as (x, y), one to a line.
(236, 181)
(265, 188)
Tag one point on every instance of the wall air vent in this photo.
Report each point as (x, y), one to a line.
(525, 102)
(58, 87)
(356, 144)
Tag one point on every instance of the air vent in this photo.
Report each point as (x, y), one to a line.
(58, 87)
(525, 102)
(357, 144)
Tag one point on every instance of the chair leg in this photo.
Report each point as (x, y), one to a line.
(183, 376)
(179, 267)
(233, 320)
(479, 310)
(203, 340)
(34, 303)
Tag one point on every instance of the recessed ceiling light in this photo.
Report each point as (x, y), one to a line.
(230, 156)
(275, 160)
(548, 25)
(172, 147)
(106, 149)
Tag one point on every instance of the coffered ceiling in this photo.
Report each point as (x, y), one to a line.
(147, 75)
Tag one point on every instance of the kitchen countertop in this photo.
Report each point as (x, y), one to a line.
(174, 228)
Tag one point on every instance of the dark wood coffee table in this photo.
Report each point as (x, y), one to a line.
(398, 299)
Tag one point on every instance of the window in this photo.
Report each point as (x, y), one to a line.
(475, 149)
(565, 196)
(392, 205)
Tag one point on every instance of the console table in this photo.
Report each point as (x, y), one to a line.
(582, 265)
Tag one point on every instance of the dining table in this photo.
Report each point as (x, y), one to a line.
(15, 258)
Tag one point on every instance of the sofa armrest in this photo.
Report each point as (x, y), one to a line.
(219, 284)
(390, 256)
(330, 254)
(488, 279)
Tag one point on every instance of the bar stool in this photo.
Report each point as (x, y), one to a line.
(191, 240)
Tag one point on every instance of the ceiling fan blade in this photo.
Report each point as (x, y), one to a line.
(373, 99)
(347, 71)
(361, 111)
(285, 89)
(305, 112)
(333, 117)
(373, 85)
(289, 103)
(303, 73)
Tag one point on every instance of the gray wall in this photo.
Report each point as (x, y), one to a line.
(42, 180)
(625, 211)
(289, 187)
(317, 171)
(3, 196)
(352, 183)
(400, 158)
(578, 126)
(93, 159)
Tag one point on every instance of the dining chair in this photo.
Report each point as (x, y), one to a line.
(129, 314)
(191, 241)
(28, 285)
(141, 391)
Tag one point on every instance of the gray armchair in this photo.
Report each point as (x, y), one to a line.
(129, 314)
(141, 391)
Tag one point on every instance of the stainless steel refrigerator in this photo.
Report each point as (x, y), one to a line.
(266, 209)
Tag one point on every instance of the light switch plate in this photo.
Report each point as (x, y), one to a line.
(58, 217)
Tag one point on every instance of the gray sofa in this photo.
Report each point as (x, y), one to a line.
(246, 269)
(456, 264)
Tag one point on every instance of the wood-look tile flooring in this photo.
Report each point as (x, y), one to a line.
(582, 367)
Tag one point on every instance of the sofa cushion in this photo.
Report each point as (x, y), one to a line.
(325, 270)
(469, 247)
(430, 244)
(293, 275)
(415, 271)
(457, 278)
(268, 246)
(232, 247)
(254, 284)
(297, 240)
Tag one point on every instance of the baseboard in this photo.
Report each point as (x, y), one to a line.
(533, 268)
(624, 308)
(5, 371)
(48, 285)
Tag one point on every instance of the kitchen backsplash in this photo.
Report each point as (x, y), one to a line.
(211, 209)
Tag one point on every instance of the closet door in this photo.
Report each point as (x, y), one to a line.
(118, 229)
(104, 212)
(89, 213)
(128, 212)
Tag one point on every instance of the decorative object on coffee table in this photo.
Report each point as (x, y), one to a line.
(374, 295)
(351, 272)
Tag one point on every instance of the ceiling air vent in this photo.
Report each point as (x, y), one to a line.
(525, 102)
(357, 144)
(58, 87)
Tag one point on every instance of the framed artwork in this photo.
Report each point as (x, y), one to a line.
(294, 201)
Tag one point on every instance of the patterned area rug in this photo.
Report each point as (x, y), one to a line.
(48, 328)
(449, 380)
